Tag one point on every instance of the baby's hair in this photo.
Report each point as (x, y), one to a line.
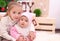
(11, 5)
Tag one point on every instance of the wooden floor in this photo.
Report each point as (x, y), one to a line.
(46, 36)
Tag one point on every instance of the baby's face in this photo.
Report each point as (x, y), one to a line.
(23, 21)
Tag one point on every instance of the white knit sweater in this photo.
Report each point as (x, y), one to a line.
(4, 25)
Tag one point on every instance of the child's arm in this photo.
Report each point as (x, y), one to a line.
(3, 30)
(14, 33)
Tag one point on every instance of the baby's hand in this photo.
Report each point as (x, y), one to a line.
(31, 35)
(21, 38)
(25, 39)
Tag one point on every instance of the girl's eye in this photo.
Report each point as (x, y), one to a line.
(14, 12)
(19, 13)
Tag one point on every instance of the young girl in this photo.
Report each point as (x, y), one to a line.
(24, 30)
(10, 19)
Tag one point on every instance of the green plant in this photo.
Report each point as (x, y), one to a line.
(2, 3)
(38, 12)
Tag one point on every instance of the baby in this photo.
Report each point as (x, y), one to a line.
(24, 30)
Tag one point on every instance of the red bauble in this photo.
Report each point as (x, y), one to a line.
(12, 0)
(2, 9)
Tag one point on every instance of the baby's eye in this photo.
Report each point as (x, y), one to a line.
(19, 13)
(14, 12)
(21, 19)
(26, 20)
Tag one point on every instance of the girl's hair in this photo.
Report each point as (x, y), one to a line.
(11, 5)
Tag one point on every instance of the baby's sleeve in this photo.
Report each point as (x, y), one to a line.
(14, 33)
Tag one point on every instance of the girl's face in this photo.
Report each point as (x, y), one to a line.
(15, 13)
(23, 21)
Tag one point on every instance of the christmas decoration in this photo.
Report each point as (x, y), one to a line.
(3, 5)
(38, 12)
(2, 9)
